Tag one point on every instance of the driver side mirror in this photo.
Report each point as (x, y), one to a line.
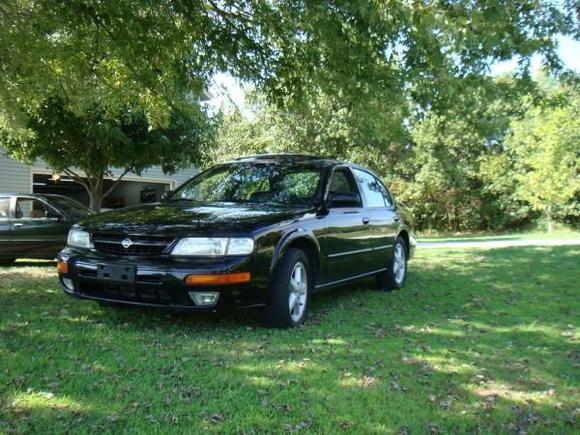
(343, 200)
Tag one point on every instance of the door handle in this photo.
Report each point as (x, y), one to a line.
(366, 220)
(17, 224)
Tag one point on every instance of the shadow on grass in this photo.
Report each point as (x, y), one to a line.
(485, 340)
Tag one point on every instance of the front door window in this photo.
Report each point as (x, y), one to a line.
(30, 208)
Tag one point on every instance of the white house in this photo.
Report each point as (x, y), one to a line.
(16, 177)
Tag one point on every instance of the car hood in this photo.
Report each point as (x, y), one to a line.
(175, 217)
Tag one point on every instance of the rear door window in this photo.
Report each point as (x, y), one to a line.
(372, 189)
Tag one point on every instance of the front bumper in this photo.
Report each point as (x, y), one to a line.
(159, 282)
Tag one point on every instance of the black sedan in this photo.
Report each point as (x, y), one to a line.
(36, 226)
(264, 231)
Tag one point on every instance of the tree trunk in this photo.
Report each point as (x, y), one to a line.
(549, 220)
(94, 185)
(96, 196)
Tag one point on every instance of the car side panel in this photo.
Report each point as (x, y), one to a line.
(346, 244)
(6, 250)
(38, 237)
(6, 247)
(384, 226)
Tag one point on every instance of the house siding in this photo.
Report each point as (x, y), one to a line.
(154, 173)
(16, 176)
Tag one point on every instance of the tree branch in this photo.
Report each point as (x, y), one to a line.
(116, 182)
(76, 177)
(96, 51)
(228, 14)
(230, 17)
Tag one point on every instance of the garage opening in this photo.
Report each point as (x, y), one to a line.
(128, 192)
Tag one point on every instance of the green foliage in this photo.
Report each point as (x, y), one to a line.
(347, 77)
(398, 57)
(545, 147)
(95, 85)
(96, 144)
(320, 128)
(456, 171)
(115, 54)
(388, 58)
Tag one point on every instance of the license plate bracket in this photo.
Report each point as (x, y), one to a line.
(116, 272)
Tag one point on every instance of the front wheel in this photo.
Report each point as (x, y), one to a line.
(394, 277)
(289, 291)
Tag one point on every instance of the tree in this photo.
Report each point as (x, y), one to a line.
(432, 164)
(457, 171)
(321, 127)
(378, 65)
(389, 57)
(401, 59)
(96, 144)
(545, 147)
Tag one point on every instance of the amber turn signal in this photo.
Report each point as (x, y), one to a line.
(62, 267)
(221, 279)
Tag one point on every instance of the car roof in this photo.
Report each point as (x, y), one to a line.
(33, 195)
(287, 158)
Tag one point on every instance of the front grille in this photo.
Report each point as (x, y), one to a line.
(140, 245)
(134, 293)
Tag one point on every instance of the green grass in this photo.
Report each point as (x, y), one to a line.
(482, 340)
(556, 235)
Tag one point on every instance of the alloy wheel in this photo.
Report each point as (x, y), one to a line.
(298, 291)
(399, 263)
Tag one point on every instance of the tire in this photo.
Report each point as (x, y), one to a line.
(7, 261)
(394, 278)
(291, 284)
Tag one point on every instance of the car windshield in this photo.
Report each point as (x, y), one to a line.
(261, 183)
(74, 209)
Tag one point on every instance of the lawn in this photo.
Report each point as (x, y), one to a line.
(479, 340)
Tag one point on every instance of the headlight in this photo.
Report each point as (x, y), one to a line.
(79, 239)
(214, 246)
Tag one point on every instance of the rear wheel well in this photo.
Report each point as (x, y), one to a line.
(309, 249)
(405, 236)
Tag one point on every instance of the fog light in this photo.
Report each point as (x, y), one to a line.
(68, 283)
(204, 298)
